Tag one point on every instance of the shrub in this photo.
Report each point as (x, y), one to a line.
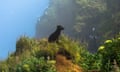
(35, 65)
(110, 52)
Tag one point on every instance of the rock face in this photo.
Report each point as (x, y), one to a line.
(64, 65)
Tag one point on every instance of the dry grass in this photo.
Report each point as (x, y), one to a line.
(64, 65)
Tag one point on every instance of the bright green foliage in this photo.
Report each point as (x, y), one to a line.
(110, 52)
(90, 61)
(35, 65)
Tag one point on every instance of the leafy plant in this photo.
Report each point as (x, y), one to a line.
(35, 65)
(110, 51)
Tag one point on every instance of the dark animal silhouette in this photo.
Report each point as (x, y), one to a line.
(55, 35)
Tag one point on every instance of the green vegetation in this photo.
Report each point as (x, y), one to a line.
(110, 51)
(32, 55)
(39, 56)
(25, 59)
(79, 17)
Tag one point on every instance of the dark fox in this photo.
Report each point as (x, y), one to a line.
(55, 35)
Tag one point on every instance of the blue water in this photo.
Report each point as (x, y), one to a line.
(17, 18)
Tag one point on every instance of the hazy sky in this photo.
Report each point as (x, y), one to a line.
(18, 17)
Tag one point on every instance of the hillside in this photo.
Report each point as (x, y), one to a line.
(89, 21)
(68, 55)
(90, 41)
(33, 55)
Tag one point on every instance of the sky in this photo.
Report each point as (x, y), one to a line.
(18, 18)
